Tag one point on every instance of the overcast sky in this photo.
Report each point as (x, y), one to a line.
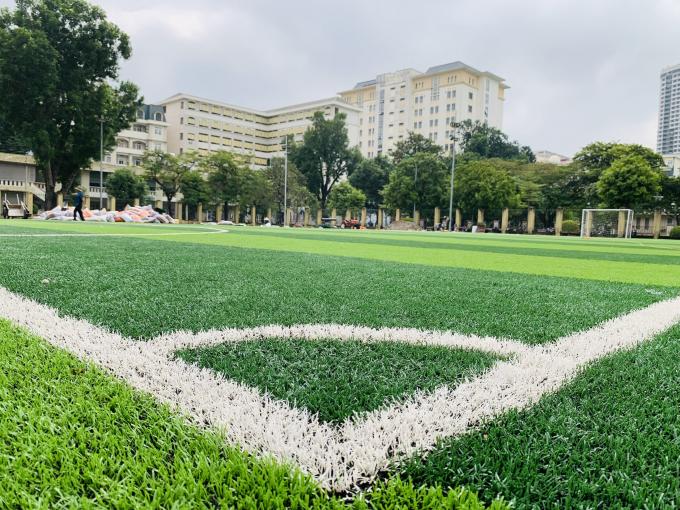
(579, 70)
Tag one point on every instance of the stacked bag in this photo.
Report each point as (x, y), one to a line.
(141, 214)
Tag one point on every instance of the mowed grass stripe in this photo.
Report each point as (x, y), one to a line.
(603, 270)
(142, 287)
(610, 439)
(647, 247)
(73, 437)
(339, 379)
(507, 248)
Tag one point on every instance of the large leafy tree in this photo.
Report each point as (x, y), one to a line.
(486, 185)
(194, 188)
(324, 156)
(599, 156)
(629, 182)
(489, 142)
(371, 176)
(345, 196)
(168, 172)
(59, 60)
(226, 176)
(421, 180)
(413, 144)
(125, 186)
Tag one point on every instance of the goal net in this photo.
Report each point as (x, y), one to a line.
(607, 223)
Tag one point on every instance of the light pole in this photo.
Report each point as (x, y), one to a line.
(454, 125)
(415, 186)
(285, 183)
(101, 163)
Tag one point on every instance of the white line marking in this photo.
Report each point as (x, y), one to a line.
(339, 457)
(122, 234)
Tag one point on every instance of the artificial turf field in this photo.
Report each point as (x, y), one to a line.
(74, 435)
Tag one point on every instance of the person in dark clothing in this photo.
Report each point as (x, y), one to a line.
(78, 204)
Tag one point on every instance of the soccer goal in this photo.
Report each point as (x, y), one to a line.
(607, 223)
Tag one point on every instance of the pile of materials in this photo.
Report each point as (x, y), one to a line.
(145, 214)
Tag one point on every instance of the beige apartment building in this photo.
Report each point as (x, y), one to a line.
(204, 125)
(427, 103)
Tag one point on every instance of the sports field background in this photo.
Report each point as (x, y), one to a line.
(612, 435)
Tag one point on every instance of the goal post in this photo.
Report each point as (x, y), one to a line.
(607, 223)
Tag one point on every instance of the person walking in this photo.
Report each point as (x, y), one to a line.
(79, 204)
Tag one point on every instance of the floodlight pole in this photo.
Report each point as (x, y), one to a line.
(285, 183)
(415, 185)
(453, 171)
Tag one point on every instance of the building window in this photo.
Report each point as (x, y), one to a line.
(139, 128)
(470, 95)
(158, 130)
(469, 109)
(123, 144)
(158, 116)
(138, 146)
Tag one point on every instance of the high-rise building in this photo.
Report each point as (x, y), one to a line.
(427, 103)
(668, 136)
(204, 125)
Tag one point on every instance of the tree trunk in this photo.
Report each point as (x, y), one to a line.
(50, 183)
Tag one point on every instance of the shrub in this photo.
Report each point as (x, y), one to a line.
(675, 232)
(570, 227)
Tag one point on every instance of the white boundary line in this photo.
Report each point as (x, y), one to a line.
(121, 234)
(344, 456)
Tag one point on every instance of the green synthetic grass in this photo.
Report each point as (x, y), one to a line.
(142, 287)
(73, 437)
(610, 439)
(338, 379)
(615, 260)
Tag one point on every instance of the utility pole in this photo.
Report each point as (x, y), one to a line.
(453, 171)
(415, 188)
(285, 183)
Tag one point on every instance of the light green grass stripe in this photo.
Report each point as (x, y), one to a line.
(625, 272)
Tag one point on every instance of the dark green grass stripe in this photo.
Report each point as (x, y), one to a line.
(557, 252)
(338, 379)
(610, 439)
(73, 437)
(142, 287)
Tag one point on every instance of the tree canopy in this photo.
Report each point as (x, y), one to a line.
(298, 193)
(413, 144)
(371, 176)
(629, 182)
(345, 196)
(125, 186)
(168, 172)
(489, 142)
(324, 155)
(59, 60)
(486, 185)
(428, 190)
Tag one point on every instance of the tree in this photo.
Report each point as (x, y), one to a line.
(194, 188)
(298, 193)
(599, 156)
(484, 185)
(371, 176)
(629, 182)
(226, 175)
(428, 190)
(414, 143)
(168, 171)
(324, 155)
(126, 186)
(59, 60)
(345, 196)
(489, 142)
(257, 190)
